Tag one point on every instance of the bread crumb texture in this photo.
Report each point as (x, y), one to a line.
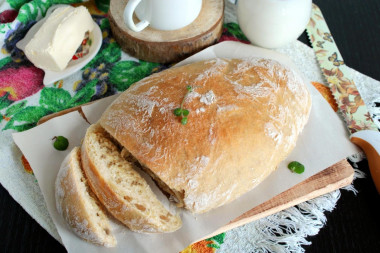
(121, 189)
(79, 206)
(245, 117)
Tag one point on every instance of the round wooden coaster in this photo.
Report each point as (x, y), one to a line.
(168, 46)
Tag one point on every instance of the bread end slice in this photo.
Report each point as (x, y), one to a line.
(121, 189)
(78, 205)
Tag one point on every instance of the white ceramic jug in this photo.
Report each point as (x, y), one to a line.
(273, 23)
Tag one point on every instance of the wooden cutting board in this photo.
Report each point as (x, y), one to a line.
(332, 178)
(168, 46)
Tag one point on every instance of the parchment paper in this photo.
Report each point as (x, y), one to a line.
(323, 142)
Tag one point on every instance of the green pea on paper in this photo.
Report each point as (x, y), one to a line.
(60, 143)
(296, 167)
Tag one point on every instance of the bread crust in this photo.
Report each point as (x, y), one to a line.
(139, 216)
(245, 117)
(74, 203)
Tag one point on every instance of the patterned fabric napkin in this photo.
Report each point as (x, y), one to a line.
(24, 100)
(23, 97)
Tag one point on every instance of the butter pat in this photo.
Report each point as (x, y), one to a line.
(57, 40)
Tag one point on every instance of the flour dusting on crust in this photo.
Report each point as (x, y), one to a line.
(245, 116)
(208, 98)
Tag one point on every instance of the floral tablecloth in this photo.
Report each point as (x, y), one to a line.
(24, 100)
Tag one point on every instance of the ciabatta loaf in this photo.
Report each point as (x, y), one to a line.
(121, 189)
(79, 206)
(245, 117)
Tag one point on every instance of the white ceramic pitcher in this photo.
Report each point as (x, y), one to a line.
(273, 23)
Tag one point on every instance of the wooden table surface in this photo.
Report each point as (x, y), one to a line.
(354, 225)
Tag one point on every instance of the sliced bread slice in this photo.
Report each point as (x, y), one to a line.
(121, 189)
(78, 205)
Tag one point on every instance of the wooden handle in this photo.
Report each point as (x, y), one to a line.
(330, 179)
(369, 141)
